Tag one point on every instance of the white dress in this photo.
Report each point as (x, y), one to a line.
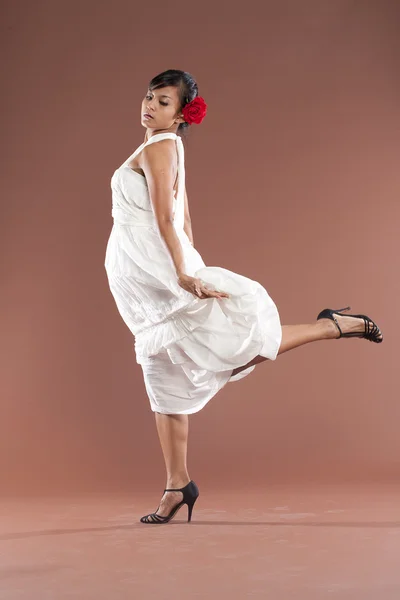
(187, 346)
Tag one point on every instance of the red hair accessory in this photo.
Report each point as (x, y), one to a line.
(195, 111)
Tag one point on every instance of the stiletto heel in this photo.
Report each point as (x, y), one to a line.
(190, 509)
(371, 331)
(190, 494)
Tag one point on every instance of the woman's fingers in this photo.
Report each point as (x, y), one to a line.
(196, 286)
(201, 291)
(214, 293)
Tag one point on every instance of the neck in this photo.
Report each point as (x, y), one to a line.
(150, 132)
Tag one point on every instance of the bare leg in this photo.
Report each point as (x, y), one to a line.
(173, 434)
(173, 429)
(294, 336)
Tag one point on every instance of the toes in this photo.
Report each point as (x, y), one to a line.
(165, 506)
(151, 518)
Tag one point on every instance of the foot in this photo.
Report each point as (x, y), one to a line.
(170, 499)
(346, 324)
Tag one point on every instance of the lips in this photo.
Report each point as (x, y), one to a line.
(147, 115)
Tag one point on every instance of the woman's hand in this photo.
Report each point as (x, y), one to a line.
(195, 286)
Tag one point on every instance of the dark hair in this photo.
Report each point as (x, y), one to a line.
(184, 81)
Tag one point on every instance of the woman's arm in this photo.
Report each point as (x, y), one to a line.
(159, 163)
(188, 224)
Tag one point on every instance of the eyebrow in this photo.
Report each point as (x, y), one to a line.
(162, 95)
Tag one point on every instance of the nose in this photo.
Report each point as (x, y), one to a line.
(149, 106)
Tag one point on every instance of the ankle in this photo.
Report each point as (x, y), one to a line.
(177, 481)
(328, 329)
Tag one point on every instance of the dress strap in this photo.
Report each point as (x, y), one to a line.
(160, 136)
(155, 138)
(180, 196)
(179, 218)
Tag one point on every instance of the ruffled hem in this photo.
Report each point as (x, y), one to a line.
(180, 388)
(217, 335)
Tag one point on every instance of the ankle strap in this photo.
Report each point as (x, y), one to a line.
(176, 489)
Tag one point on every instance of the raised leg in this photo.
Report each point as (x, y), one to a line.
(173, 433)
(294, 336)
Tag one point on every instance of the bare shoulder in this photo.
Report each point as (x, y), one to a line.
(159, 154)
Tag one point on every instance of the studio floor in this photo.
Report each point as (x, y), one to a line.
(280, 543)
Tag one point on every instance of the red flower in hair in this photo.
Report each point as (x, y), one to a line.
(195, 111)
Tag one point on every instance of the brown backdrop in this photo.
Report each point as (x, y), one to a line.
(293, 180)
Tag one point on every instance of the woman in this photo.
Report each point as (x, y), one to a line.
(196, 328)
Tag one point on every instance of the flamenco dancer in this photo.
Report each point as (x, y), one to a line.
(196, 328)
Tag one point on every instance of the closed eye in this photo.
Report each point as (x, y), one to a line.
(163, 103)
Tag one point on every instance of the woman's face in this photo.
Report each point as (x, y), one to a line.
(163, 106)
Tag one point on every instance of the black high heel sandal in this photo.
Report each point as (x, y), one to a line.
(370, 333)
(190, 494)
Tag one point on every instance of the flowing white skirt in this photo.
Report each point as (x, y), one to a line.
(187, 359)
